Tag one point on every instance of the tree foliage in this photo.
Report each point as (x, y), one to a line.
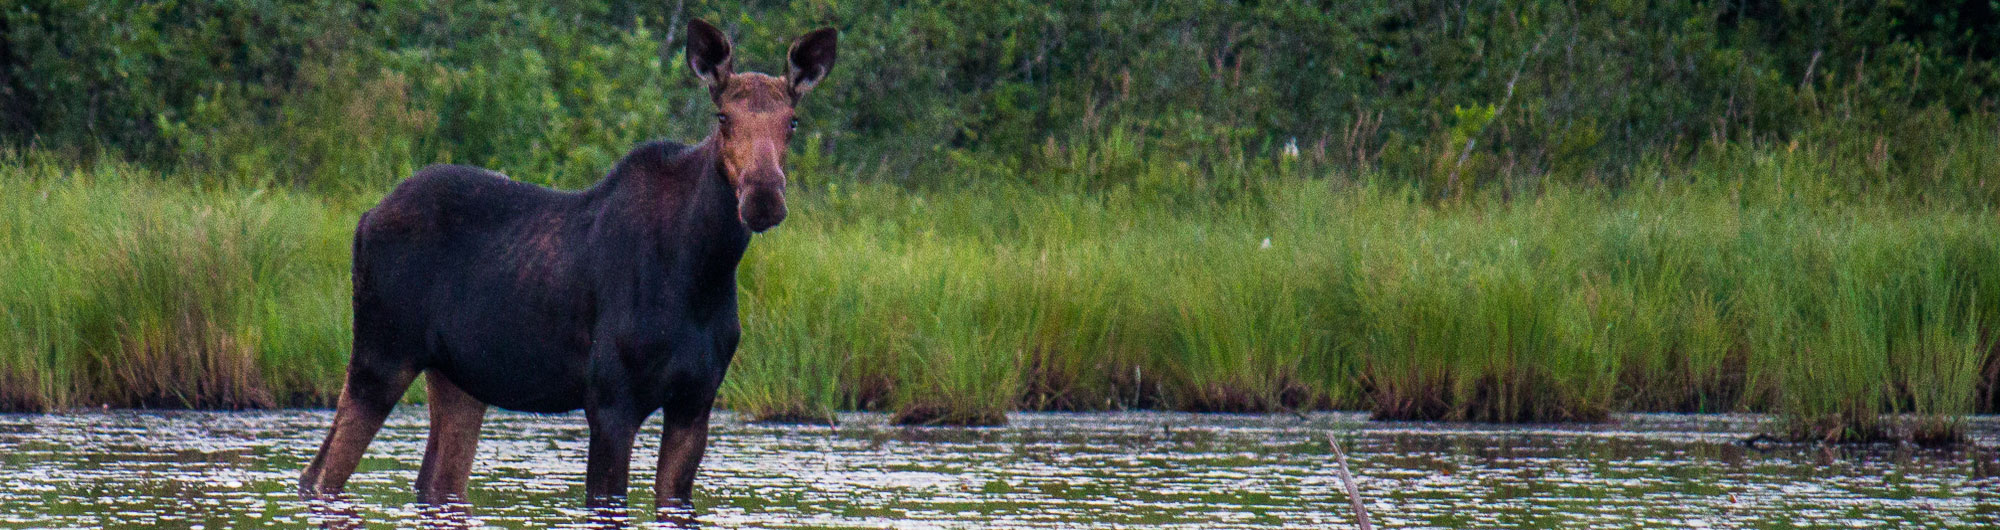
(340, 94)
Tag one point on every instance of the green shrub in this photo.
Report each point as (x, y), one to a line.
(1092, 95)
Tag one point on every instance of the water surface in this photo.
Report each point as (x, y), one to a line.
(1124, 470)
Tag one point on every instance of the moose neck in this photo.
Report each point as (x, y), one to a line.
(673, 215)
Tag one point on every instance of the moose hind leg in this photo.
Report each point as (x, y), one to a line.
(454, 437)
(365, 401)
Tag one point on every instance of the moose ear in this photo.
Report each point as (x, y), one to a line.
(809, 59)
(709, 54)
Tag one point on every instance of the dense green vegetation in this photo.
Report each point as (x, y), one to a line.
(1746, 287)
(1499, 211)
(334, 95)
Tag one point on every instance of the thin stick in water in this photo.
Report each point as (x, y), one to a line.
(1347, 479)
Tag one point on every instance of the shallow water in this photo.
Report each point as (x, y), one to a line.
(1126, 470)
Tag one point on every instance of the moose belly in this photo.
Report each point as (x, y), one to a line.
(521, 390)
(526, 367)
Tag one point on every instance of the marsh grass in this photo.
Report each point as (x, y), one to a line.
(1245, 339)
(959, 362)
(1491, 314)
(786, 369)
(1755, 283)
(124, 291)
(1072, 358)
(1867, 326)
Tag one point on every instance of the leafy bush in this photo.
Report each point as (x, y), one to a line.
(943, 92)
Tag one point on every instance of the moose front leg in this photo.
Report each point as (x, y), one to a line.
(682, 442)
(684, 429)
(606, 475)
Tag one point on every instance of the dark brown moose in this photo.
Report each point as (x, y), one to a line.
(619, 300)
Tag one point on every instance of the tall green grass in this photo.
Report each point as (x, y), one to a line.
(1752, 283)
(122, 290)
(1879, 319)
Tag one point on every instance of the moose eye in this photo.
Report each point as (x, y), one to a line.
(795, 123)
(722, 118)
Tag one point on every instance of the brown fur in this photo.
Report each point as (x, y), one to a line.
(680, 455)
(757, 92)
(455, 420)
(359, 415)
(536, 259)
(754, 126)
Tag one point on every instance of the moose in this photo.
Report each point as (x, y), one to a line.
(619, 299)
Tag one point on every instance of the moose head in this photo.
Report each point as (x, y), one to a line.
(754, 117)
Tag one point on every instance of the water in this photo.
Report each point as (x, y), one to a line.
(1131, 470)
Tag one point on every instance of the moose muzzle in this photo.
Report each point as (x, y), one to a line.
(760, 202)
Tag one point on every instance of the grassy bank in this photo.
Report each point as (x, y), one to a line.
(1748, 285)
(117, 288)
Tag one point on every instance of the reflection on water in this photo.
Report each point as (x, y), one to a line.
(1136, 470)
